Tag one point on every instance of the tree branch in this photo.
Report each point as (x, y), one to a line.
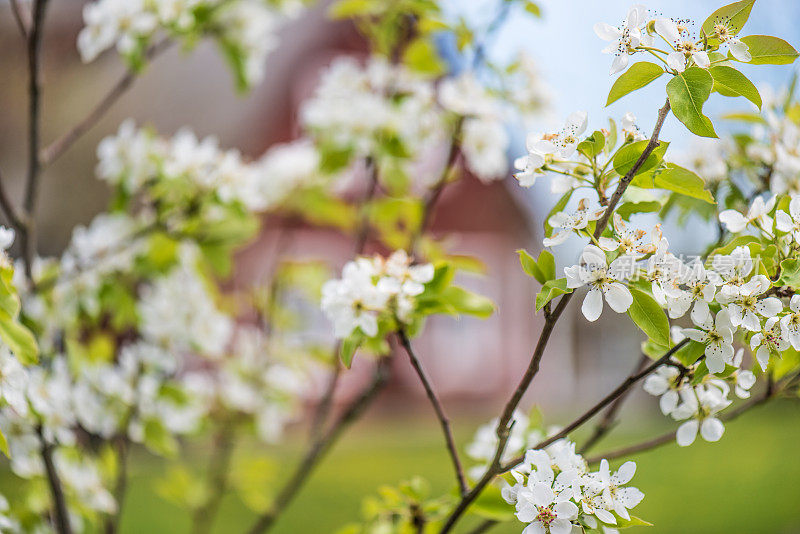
(21, 18)
(28, 236)
(219, 462)
(444, 422)
(604, 426)
(8, 210)
(503, 428)
(60, 510)
(63, 143)
(321, 446)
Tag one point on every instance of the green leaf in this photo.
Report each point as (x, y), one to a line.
(687, 93)
(547, 264)
(542, 270)
(592, 145)
(530, 267)
(467, 302)
(352, 8)
(790, 273)
(20, 340)
(675, 178)
(629, 208)
(636, 77)
(730, 82)
(690, 352)
(768, 50)
(4, 445)
(349, 346)
(551, 290)
(733, 16)
(649, 317)
(421, 56)
(627, 156)
(533, 8)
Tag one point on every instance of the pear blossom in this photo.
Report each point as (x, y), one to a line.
(730, 271)
(693, 287)
(790, 222)
(13, 381)
(725, 33)
(629, 242)
(604, 281)
(744, 306)
(757, 214)
(684, 48)
(772, 338)
(701, 404)
(623, 39)
(629, 128)
(530, 165)
(790, 323)
(565, 141)
(716, 334)
(564, 223)
(605, 493)
(665, 382)
(539, 502)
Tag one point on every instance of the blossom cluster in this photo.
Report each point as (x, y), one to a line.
(554, 490)
(372, 289)
(245, 29)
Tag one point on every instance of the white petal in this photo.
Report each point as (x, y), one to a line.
(712, 429)
(593, 304)
(701, 58)
(687, 433)
(606, 31)
(618, 297)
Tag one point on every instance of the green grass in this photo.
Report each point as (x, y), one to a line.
(747, 483)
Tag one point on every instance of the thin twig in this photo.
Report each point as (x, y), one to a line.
(8, 208)
(503, 428)
(63, 143)
(444, 422)
(605, 401)
(663, 439)
(320, 447)
(34, 118)
(60, 510)
(218, 465)
(604, 426)
(21, 18)
(121, 483)
(484, 526)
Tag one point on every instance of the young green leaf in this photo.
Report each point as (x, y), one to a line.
(768, 50)
(530, 267)
(547, 264)
(627, 156)
(687, 93)
(675, 178)
(467, 302)
(551, 290)
(730, 82)
(20, 340)
(636, 77)
(592, 145)
(349, 347)
(732, 16)
(790, 272)
(649, 317)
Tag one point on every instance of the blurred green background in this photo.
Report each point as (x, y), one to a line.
(746, 483)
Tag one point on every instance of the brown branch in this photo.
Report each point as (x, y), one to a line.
(21, 18)
(120, 485)
(444, 422)
(28, 237)
(770, 392)
(605, 401)
(320, 447)
(63, 143)
(484, 526)
(60, 510)
(604, 426)
(219, 462)
(503, 428)
(8, 209)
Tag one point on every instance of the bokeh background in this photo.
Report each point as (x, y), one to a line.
(745, 483)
